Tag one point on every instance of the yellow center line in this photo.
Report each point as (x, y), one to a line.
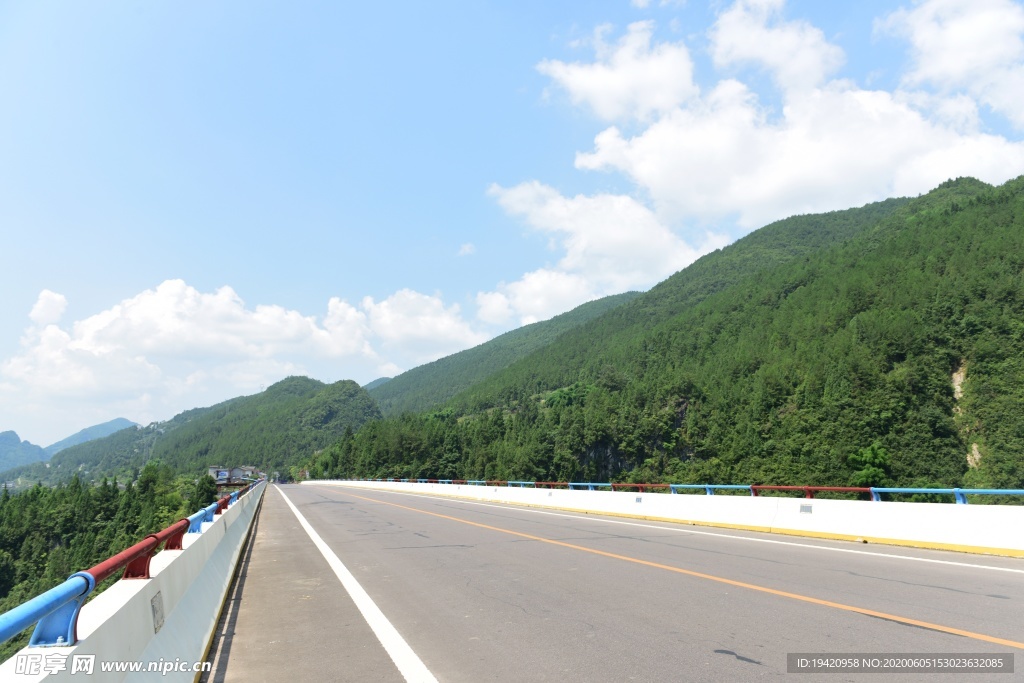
(712, 577)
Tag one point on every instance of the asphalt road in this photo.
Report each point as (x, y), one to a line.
(501, 593)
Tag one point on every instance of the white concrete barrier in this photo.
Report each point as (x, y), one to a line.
(990, 529)
(164, 621)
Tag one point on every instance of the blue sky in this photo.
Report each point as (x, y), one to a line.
(199, 199)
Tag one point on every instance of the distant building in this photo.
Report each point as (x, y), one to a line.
(220, 474)
(245, 473)
(229, 476)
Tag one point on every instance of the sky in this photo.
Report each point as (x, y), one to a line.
(200, 199)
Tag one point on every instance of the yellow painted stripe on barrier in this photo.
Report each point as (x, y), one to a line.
(719, 579)
(928, 545)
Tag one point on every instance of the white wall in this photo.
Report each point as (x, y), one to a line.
(993, 529)
(118, 625)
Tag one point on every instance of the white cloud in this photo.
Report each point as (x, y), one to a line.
(537, 295)
(177, 321)
(467, 249)
(389, 370)
(614, 240)
(49, 308)
(972, 46)
(610, 243)
(795, 52)
(174, 347)
(420, 327)
(834, 147)
(629, 79)
(493, 308)
(163, 336)
(723, 156)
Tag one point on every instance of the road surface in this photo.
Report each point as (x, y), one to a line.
(481, 592)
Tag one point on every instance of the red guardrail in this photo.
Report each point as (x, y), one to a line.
(641, 487)
(808, 490)
(135, 559)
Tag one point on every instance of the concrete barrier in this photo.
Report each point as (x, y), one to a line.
(167, 620)
(991, 529)
(988, 529)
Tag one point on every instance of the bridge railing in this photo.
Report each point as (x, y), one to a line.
(809, 491)
(709, 489)
(56, 611)
(874, 492)
(960, 495)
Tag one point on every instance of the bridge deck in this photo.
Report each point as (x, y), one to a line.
(491, 592)
(287, 614)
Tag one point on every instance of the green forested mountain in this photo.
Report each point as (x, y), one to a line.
(877, 345)
(90, 433)
(15, 452)
(272, 430)
(770, 247)
(430, 385)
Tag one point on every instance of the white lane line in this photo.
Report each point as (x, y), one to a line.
(409, 664)
(596, 518)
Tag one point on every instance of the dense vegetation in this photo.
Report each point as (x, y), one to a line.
(819, 350)
(47, 534)
(428, 386)
(271, 430)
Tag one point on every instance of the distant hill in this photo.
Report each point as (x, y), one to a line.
(430, 385)
(376, 383)
(868, 346)
(90, 433)
(15, 452)
(271, 430)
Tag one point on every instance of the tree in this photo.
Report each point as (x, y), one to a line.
(871, 466)
(204, 492)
